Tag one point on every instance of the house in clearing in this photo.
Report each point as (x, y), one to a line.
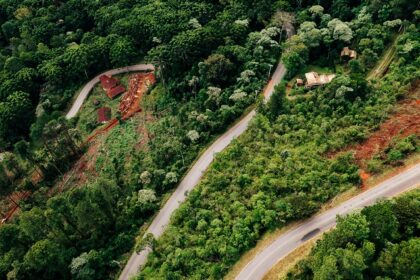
(104, 114)
(115, 91)
(347, 52)
(299, 82)
(107, 82)
(111, 86)
(314, 79)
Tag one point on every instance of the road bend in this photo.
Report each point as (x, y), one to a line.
(291, 240)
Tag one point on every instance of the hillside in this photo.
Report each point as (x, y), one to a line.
(88, 194)
(80, 187)
(381, 242)
(282, 169)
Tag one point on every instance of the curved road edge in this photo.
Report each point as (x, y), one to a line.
(83, 94)
(193, 177)
(258, 267)
(161, 221)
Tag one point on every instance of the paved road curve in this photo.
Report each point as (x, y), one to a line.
(193, 178)
(195, 173)
(291, 240)
(88, 87)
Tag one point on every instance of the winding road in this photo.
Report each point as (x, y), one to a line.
(89, 86)
(192, 178)
(291, 240)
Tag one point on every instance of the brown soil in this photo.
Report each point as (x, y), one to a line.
(404, 121)
(10, 205)
(84, 168)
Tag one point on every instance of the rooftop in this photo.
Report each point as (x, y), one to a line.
(104, 114)
(113, 92)
(108, 82)
(315, 79)
(348, 52)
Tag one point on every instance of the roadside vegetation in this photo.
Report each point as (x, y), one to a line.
(213, 60)
(280, 169)
(380, 242)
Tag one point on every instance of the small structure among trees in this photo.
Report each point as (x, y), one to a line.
(107, 82)
(112, 93)
(111, 86)
(104, 114)
(347, 52)
(314, 79)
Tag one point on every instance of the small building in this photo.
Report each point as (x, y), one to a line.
(107, 82)
(299, 82)
(115, 91)
(104, 114)
(347, 52)
(314, 79)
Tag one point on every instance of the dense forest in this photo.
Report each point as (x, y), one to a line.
(279, 171)
(49, 48)
(380, 242)
(213, 59)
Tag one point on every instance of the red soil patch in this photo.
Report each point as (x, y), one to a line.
(130, 105)
(130, 102)
(402, 124)
(364, 176)
(142, 129)
(139, 84)
(12, 204)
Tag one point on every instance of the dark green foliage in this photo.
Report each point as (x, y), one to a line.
(213, 61)
(278, 102)
(65, 44)
(383, 248)
(94, 225)
(277, 172)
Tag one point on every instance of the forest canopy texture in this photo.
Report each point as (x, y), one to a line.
(213, 59)
(381, 242)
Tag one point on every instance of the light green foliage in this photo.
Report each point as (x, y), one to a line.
(385, 250)
(83, 267)
(277, 172)
(340, 30)
(295, 54)
(316, 10)
(310, 34)
(146, 196)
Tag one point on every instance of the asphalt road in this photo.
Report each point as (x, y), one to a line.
(193, 178)
(291, 240)
(89, 86)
